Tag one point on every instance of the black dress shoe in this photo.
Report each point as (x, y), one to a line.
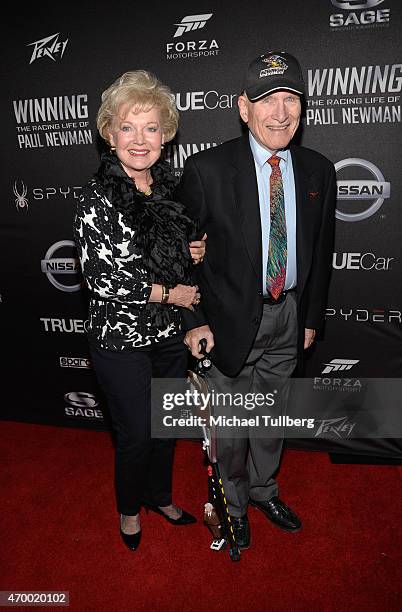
(185, 519)
(132, 541)
(241, 530)
(278, 513)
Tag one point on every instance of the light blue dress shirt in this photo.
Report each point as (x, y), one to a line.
(263, 172)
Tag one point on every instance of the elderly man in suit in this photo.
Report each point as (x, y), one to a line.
(268, 208)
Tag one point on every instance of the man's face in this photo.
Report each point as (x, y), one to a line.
(272, 120)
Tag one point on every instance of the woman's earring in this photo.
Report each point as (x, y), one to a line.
(112, 148)
(162, 146)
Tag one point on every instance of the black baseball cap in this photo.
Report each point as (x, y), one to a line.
(273, 71)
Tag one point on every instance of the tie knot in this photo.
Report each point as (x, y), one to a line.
(274, 161)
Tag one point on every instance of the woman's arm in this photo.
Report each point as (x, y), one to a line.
(110, 277)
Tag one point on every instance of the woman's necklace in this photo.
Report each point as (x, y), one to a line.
(146, 191)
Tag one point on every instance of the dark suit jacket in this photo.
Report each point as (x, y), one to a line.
(219, 188)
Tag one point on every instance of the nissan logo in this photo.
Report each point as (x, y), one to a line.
(52, 266)
(377, 190)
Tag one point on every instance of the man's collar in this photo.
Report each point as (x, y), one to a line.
(261, 155)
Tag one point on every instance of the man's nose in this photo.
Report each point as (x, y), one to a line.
(280, 112)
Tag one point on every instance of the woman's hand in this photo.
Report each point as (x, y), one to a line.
(185, 296)
(197, 249)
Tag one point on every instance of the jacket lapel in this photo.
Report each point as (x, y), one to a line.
(246, 196)
(305, 213)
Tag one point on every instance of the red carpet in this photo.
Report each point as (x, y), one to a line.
(60, 532)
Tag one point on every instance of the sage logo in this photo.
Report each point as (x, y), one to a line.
(191, 22)
(352, 5)
(20, 191)
(337, 365)
(360, 15)
(82, 405)
(362, 190)
(54, 266)
(81, 399)
(50, 47)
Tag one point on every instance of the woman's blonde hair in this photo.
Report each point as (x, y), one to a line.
(142, 90)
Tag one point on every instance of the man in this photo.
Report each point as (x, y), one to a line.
(268, 210)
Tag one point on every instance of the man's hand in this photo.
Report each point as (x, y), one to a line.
(309, 337)
(193, 337)
(197, 249)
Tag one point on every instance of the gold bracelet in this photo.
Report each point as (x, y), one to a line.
(165, 294)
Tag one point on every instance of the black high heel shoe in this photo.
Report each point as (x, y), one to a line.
(184, 519)
(132, 541)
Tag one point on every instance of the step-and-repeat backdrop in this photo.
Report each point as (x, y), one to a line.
(57, 60)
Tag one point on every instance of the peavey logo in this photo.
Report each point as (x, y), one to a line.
(20, 190)
(337, 365)
(191, 22)
(360, 16)
(48, 47)
(191, 49)
(362, 190)
(334, 428)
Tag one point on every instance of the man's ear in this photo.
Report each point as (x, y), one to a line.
(243, 103)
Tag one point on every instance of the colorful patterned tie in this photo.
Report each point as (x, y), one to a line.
(277, 253)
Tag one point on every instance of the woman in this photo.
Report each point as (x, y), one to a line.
(133, 243)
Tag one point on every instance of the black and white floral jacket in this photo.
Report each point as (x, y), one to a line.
(126, 241)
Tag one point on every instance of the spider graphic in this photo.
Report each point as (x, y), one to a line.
(20, 198)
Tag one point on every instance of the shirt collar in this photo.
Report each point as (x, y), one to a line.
(261, 155)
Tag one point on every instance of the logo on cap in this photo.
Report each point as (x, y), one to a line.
(276, 65)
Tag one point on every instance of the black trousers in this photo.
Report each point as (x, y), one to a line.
(143, 465)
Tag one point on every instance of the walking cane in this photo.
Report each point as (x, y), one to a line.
(216, 511)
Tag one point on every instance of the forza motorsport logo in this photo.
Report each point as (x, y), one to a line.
(359, 15)
(361, 191)
(337, 365)
(191, 48)
(50, 47)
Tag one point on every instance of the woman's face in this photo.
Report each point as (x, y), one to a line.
(138, 138)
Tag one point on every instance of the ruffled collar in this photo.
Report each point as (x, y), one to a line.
(121, 188)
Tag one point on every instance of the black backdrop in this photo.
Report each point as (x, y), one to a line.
(56, 61)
